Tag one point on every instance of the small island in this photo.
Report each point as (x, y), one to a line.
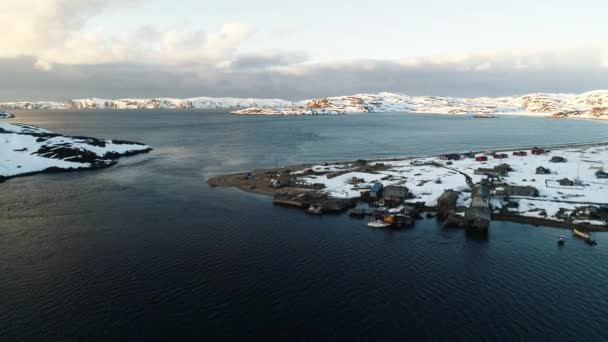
(6, 115)
(562, 186)
(27, 150)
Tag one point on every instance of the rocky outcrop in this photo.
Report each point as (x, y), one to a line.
(29, 150)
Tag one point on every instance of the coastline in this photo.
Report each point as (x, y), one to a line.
(263, 178)
(29, 150)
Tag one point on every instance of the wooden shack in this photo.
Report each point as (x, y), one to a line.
(542, 171)
(557, 159)
(446, 203)
(601, 174)
(395, 193)
(517, 190)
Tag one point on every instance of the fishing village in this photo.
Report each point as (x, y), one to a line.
(562, 187)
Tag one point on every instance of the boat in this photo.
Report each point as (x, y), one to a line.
(561, 240)
(315, 209)
(484, 116)
(378, 224)
(584, 236)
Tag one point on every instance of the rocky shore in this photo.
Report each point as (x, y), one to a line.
(26, 150)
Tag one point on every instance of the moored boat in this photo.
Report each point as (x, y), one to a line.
(561, 240)
(315, 210)
(378, 224)
(584, 236)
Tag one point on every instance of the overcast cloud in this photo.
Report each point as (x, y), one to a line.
(48, 52)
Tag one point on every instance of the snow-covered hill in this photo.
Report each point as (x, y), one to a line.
(26, 149)
(587, 105)
(592, 104)
(153, 103)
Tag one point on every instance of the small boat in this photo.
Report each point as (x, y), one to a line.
(484, 116)
(561, 240)
(315, 209)
(584, 236)
(378, 224)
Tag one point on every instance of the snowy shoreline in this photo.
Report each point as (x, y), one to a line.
(520, 193)
(27, 150)
(589, 105)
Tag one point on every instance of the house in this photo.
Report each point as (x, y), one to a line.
(517, 190)
(395, 193)
(450, 156)
(557, 159)
(542, 171)
(565, 182)
(355, 181)
(601, 174)
(481, 158)
(537, 151)
(500, 155)
(468, 155)
(503, 167)
(484, 171)
(376, 191)
(520, 153)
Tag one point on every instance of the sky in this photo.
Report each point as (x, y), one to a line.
(63, 49)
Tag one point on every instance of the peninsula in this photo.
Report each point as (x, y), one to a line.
(563, 186)
(27, 150)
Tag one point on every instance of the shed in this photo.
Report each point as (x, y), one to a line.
(565, 182)
(376, 190)
(504, 167)
(517, 190)
(601, 174)
(542, 171)
(450, 156)
(537, 151)
(395, 192)
(557, 159)
(484, 171)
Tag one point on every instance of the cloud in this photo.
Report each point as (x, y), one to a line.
(53, 32)
(267, 59)
(575, 57)
(49, 52)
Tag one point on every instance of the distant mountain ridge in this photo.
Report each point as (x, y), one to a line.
(593, 104)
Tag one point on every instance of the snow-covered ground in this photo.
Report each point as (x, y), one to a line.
(26, 149)
(593, 104)
(152, 103)
(5, 115)
(428, 178)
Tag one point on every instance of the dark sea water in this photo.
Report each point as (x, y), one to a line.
(146, 250)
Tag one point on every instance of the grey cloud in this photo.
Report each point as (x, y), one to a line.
(265, 60)
(21, 81)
